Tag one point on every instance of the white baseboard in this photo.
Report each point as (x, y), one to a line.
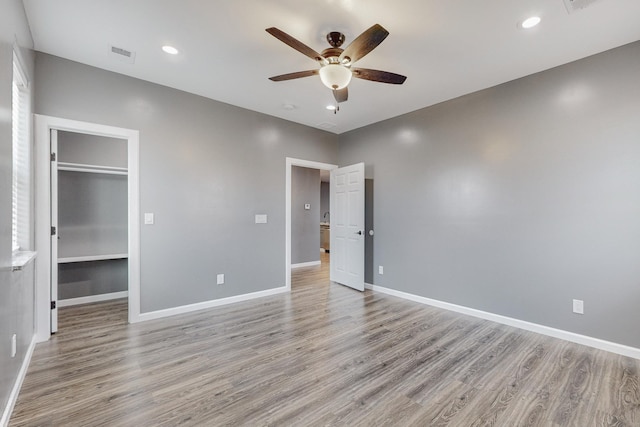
(15, 391)
(305, 264)
(209, 304)
(528, 326)
(92, 298)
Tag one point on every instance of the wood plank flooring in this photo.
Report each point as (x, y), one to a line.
(322, 355)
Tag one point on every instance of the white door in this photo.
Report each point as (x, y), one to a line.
(54, 231)
(347, 226)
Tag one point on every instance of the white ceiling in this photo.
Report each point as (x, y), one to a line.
(446, 48)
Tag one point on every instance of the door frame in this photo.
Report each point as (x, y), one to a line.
(42, 130)
(290, 163)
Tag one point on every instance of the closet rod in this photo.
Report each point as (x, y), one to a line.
(77, 167)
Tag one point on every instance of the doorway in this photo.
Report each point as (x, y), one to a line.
(310, 216)
(290, 163)
(46, 131)
(89, 210)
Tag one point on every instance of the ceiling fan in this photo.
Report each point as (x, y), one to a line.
(336, 63)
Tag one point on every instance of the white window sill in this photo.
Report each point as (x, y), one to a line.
(20, 260)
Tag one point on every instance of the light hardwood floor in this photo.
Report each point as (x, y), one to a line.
(322, 355)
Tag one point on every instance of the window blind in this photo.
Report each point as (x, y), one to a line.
(21, 179)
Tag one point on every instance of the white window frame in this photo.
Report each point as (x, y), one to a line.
(21, 212)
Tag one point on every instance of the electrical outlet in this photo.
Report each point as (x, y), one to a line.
(220, 279)
(380, 270)
(14, 345)
(578, 306)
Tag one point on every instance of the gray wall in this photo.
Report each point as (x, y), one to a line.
(92, 214)
(325, 196)
(16, 288)
(518, 198)
(206, 169)
(74, 147)
(82, 279)
(305, 224)
(92, 207)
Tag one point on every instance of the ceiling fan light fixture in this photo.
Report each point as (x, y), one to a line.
(335, 76)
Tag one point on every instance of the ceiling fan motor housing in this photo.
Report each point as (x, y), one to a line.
(332, 54)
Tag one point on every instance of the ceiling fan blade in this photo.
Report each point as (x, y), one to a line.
(378, 76)
(296, 44)
(296, 75)
(364, 43)
(341, 95)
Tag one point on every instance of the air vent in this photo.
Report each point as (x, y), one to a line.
(122, 54)
(326, 125)
(576, 5)
(121, 51)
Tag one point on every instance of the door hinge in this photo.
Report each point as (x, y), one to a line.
(53, 231)
(53, 305)
(53, 157)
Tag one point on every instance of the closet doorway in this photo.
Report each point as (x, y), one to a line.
(87, 193)
(89, 208)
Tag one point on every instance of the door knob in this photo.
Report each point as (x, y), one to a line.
(359, 232)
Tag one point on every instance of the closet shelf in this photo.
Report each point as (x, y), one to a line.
(86, 258)
(79, 167)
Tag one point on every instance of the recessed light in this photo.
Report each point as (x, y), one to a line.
(289, 106)
(530, 22)
(330, 107)
(170, 50)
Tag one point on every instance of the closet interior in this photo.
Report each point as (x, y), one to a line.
(92, 218)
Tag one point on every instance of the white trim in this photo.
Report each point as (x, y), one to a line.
(15, 391)
(92, 298)
(22, 75)
(43, 126)
(509, 321)
(305, 264)
(20, 259)
(290, 162)
(209, 304)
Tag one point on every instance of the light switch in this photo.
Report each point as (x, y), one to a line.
(578, 306)
(148, 218)
(261, 218)
(307, 206)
